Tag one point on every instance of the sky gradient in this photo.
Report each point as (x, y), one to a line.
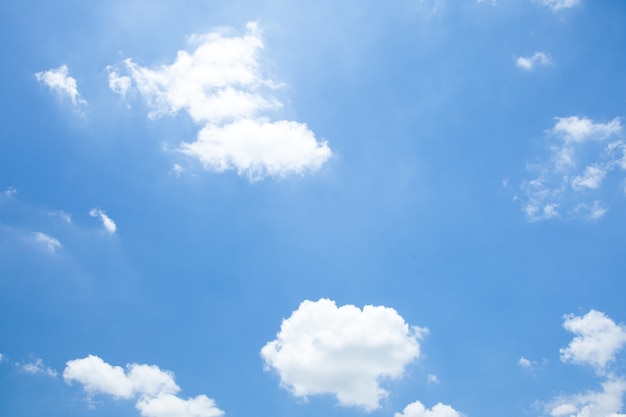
(278, 208)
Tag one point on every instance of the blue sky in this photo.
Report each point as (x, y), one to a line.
(277, 208)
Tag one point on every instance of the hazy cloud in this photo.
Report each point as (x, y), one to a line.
(220, 85)
(344, 351)
(8, 193)
(155, 389)
(556, 5)
(60, 81)
(107, 222)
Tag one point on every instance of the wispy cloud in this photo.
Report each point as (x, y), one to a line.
(155, 389)
(529, 63)
(38, 367)
(62, 214)
(344, 351)
(51, 243)
(108, 224)
(60, 81)
(221, 86)
(557, 5)
(582, 156)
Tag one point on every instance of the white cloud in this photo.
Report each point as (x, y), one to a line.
(221, 87)
(60, 81)
(417, 409)
(1, 357)
(37, 367)
(107, 222)
(577, 129)
(51, 243)
(605, 403)
(155, 388)
(556, 5)
(258, 148)
(167, 405)
(344, 351)
(529, 63)
(570, 182)
(598, 339)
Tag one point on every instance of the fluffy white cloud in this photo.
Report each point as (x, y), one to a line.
(529, 63)
(168, 405)
(221, 87)
(107, 222)
(60, 81)
(417, 409)
(257, 148)
(560, 186)
(344, 351)
(155, 388)
(556, 5)
(605, 403)
(525, 363)
(598, 339)
(37, 367)
(51, 243)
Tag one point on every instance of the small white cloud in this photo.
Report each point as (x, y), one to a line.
(107, 222)
(51, 243)
(598, 339)
(432, 379)
(60, 81)
(417, 409)
(155, 388)
(37, 367)
(1, 357)
(557, 5)
(529, 63)
(525, 363)
(220, 85)
(344, 351)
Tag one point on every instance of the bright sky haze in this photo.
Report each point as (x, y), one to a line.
(334, 208)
